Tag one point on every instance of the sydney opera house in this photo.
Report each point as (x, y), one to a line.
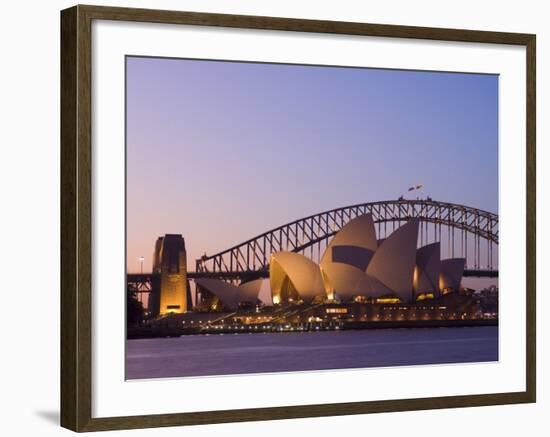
(355, 267)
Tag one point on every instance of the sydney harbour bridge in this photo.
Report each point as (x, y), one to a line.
(462, 231)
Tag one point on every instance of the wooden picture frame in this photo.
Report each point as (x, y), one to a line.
(76, 218)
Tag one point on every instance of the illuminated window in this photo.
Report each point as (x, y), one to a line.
(388, 300)
(337, 310)
(424, 296)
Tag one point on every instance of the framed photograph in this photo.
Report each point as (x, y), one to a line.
(268, 218)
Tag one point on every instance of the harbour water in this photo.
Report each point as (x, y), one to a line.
(202, 355)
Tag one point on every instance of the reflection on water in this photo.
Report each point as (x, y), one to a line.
(200, 355)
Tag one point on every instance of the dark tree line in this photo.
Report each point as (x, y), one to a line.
(134, 308)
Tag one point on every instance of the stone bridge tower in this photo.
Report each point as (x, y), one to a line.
(170, 286)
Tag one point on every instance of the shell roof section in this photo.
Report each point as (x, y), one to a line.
(304, 274)
(452, 270)
(358, 232)
(394, 261)
(428, 266)
(230, 295)
(347, 281)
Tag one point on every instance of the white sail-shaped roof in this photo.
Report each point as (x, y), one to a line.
(354, 244)
(248, 292)
(289, 270)
(427, 270)
(227, 293)
(230, 295)
(264, 293)
(451, 273)
(394, 261)
(345, 281)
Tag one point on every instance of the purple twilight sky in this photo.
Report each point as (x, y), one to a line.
(223, 151)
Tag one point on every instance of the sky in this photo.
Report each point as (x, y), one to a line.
(223, 151)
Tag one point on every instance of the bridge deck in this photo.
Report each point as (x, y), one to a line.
(147, 277)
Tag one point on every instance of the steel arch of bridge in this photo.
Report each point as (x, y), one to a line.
(456, 225)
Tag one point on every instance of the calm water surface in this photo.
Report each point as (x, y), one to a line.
(200, 355)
